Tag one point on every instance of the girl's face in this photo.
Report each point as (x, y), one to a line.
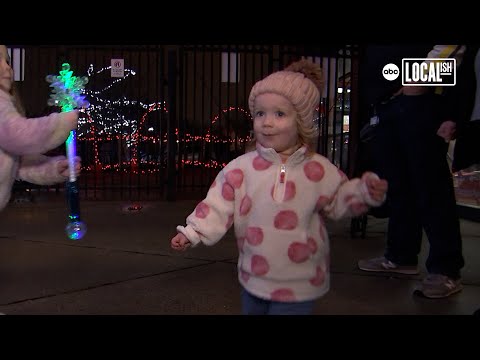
(6, 71)
(275, 123)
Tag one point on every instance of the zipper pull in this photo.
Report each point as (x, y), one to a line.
(282, 174)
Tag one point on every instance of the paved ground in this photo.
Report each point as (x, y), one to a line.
(124, 265)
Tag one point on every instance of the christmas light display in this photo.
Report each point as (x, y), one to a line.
(115, 121)
(66, 94)
(124, 122)
(112, 118)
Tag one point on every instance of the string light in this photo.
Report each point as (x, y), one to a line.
(111, 124)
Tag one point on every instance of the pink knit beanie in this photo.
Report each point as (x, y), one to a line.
(300, 83)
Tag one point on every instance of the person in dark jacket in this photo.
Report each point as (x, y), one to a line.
(409, 149)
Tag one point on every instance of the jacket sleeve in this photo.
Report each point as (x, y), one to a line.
(448, 51)
(348, 197)
(25, 136)
(40, 170)
(213, 216)
(457, 101)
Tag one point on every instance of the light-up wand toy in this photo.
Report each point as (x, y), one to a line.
(66, 94)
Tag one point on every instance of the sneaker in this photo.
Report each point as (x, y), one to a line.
(436, 286)
(382, 264)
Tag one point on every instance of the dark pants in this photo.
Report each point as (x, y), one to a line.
(421, 195)
(252, 305)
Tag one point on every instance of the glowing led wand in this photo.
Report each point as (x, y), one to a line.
(66, 94)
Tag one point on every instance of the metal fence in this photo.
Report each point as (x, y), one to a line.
(178, 114)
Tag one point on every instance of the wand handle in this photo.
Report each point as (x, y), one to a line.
(73, 201)
(71, 154)
(76, 228)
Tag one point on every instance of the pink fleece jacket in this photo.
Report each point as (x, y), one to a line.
(278, 211)
(21, 141)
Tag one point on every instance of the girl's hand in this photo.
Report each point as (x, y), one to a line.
(376, 187)
(180, 242)
(62, 167)
(70, 119)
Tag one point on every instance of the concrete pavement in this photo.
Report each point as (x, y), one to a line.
(124, 265)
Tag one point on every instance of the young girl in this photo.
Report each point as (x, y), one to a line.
(23, 140)
(277, 196)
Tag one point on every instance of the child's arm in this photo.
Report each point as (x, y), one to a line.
(45, 170)
(354, 197)
(213, 216)
(23, 136)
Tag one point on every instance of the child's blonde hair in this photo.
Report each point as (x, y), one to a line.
(301, 83)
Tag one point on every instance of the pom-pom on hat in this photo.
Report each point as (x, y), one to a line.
(300, 83)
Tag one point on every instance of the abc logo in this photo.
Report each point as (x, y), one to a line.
(390, 72)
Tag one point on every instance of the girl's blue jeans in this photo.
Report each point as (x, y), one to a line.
(252, 305)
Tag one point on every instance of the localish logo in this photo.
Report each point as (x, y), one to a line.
(429, 72)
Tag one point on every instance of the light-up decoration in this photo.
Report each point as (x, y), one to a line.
(106, 120)
(112, 118)
(66, 94)
(123, 120)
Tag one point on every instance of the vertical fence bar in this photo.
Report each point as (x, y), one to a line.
(160, 90)
(354, 128)
(343, 112)
(171, 120)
